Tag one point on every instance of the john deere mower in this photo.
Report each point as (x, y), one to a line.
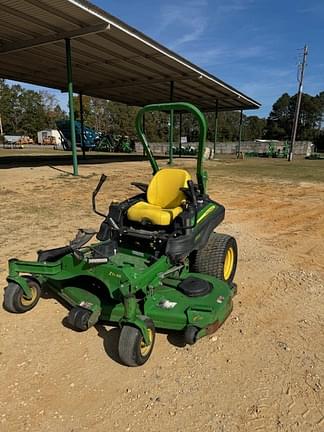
(156, 263)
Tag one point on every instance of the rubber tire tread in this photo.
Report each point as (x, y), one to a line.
(78, 318)
(190, 334)
(129, 343)
(210, 259)
(12, 295)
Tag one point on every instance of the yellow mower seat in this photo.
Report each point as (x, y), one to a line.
(164, 198)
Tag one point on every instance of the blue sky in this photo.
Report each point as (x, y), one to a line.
(253, 45)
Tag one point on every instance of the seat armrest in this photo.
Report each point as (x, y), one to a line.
(142, 186)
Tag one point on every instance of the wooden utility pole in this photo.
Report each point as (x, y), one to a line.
(300, 78)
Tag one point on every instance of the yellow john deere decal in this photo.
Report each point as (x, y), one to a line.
(209, 210)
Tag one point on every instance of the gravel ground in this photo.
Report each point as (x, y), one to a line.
(262, 371)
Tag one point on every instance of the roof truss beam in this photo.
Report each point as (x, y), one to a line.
(28, 18)
(45, 40)
(55, 12)
(141, 83)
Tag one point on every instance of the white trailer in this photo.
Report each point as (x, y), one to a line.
(11, 139)
(42, 135)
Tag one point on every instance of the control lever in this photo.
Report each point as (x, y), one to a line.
(193, 193)
(102, 180)
(190, 193)
(142, 186)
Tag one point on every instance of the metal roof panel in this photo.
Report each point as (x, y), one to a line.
(119, 63)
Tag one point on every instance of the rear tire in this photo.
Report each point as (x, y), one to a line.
(131, 347)
(15, 300)
(218, 258)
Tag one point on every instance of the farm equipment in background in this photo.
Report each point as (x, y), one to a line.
(93, 140)
(25, 140)
(49, 140)
(315, 156)
(187, 150)
(16, 142)
(90, 136)
(115, 143)
(276, 149)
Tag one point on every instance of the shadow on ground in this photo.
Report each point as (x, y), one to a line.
(23, 160)
(110, 341)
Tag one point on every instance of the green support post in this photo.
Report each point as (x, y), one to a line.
(171, 128)
(82, 125)
(240, 135)
(180, 132)
(216, 127)
(144, 131)
(71, 107)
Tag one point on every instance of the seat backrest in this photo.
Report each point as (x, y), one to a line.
(164, 188)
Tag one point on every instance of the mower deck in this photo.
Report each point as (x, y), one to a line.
(98, 289)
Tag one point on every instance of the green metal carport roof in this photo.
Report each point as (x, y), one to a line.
(110, 59)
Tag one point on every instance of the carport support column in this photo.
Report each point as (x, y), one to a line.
(215, 127)
(144, 131)
(171, 125)
(82, 124)
(240, 134)
(71, 106)
(180, 133)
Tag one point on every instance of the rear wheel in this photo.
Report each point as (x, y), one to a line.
(16, 301)
(218, 258)
(132, 349)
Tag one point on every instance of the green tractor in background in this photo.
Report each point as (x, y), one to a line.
(185, 150)
(157, 262)
(278, 151)
(115, 143)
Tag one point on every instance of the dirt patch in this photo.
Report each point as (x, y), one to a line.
(263, 370)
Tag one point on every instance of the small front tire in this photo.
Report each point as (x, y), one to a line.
(190, 335)
(15, 300)
(132, 349)
(78, 319)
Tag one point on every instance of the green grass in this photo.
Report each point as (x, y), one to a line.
(299, 170)
(29, 151)
(225, 166)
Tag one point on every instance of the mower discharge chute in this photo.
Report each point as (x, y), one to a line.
(157, 262)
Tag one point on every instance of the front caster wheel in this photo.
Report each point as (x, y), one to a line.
(78, 319)
(15, 300)
(190, 335)
(132, 349)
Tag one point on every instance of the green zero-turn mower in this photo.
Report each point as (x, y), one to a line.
(157, 262)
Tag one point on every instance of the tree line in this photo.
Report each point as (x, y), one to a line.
(280, 120)
(114, 117)
(26, 111)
